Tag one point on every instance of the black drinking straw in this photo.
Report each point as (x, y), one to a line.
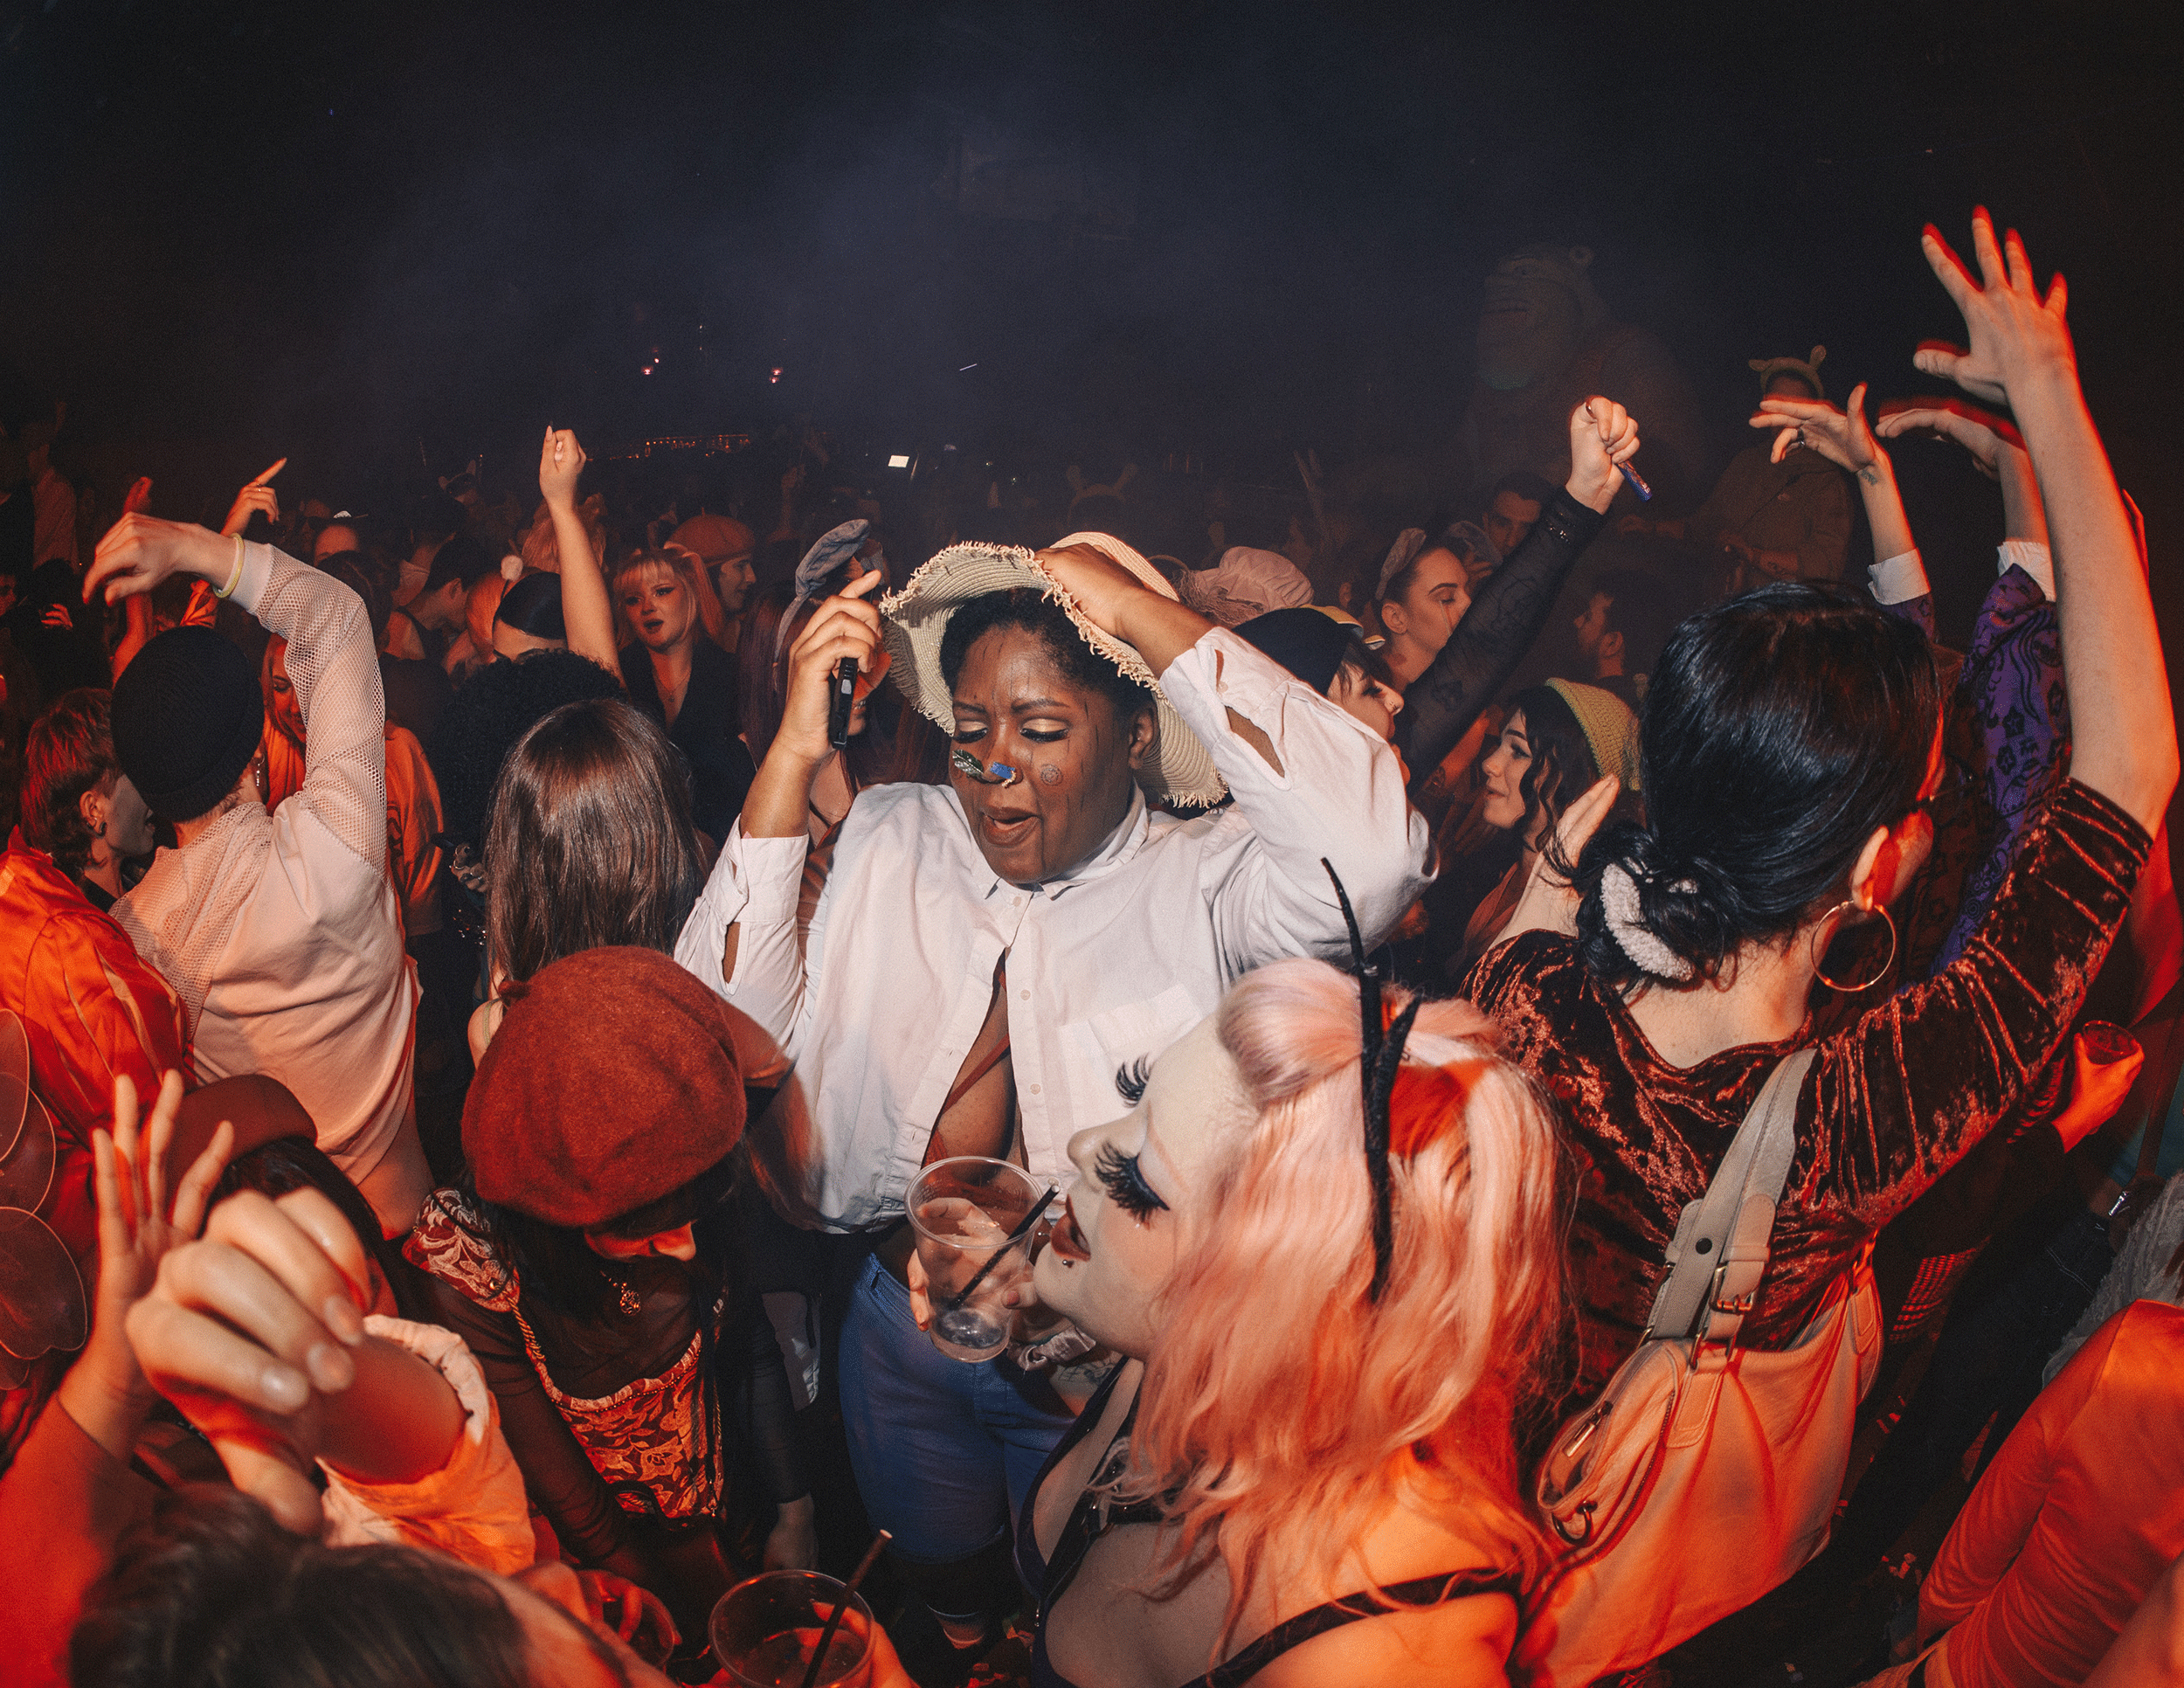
(1015, 1237)
(834, 1620)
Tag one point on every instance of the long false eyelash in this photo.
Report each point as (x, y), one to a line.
(1125, 1183)
(1130, 1081)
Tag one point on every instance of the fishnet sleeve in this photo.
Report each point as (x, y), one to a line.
(335, 674)
(1496, 632)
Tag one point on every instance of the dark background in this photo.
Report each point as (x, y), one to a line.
(392, 236)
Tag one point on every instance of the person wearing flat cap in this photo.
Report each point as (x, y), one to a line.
(993, 964)
(281, 933)
(596, 1267)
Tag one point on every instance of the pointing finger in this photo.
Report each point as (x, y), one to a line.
(262, 478)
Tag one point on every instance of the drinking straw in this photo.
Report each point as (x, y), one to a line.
(835, 1618)
(1015, 1237)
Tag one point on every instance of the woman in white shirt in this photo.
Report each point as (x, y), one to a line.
(992, 960)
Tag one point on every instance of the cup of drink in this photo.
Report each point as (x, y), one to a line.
(962, 1210)
(763, 1632)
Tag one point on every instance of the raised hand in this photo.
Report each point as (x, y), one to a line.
(139, 552)
(256, 497)
(105, 1392)
(560, 462)
(843, 625)
(1104, 590)
(250, 1332)
(2014, 332)
(1550, 902)
(1988, 437)
(1841, 436)
(1603, 435)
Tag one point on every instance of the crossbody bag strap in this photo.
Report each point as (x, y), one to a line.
(1721, 1244)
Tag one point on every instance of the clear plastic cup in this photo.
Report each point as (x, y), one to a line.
(763, 1632)
(962, 1209)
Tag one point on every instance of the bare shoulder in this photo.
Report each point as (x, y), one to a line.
(1464, 1642)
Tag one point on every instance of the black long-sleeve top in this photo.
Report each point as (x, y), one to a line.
(1491, 639)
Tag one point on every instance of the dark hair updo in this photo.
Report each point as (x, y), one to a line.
(1043, 617)
(533, 606)
(1781, 730)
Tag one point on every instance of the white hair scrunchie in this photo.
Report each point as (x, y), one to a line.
(1626, 923)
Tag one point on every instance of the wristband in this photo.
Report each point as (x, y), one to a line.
(235, 578)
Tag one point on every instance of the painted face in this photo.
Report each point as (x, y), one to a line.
(660, 608)
(1592, 626)
(280, 694)
(1439, 597)
(1503, 773)
(128, 822)
(1146, 1179)
(1508, 519)
(1073, 756)
(1358, 694)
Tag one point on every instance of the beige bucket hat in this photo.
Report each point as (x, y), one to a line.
(912, 622)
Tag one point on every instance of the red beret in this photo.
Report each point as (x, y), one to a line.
(612, 1083)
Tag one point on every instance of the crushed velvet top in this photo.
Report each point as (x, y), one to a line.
(1893, 1100)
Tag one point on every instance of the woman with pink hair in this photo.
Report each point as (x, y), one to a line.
(1304, 1468)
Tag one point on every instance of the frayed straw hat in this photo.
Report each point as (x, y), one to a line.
(912, 621)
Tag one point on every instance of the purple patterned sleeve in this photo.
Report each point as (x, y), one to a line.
(2019, 714)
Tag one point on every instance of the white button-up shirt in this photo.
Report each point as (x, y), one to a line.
(874, 1009)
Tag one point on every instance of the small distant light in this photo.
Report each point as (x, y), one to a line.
(900, 460)
(966, 366)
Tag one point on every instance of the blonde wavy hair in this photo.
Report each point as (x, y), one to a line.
(1305, 1434)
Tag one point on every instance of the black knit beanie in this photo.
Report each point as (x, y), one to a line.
(187, 717)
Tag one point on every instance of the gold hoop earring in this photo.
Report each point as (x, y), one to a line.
(1881, 909)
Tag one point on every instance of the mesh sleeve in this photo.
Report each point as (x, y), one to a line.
(1496, 632)
(335, 674)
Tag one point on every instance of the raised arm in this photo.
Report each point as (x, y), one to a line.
(587, 612)
(330, 659)
(2020, 353)
(1843, 439)
(742, 937)
(1315, 784)
(1513, 606)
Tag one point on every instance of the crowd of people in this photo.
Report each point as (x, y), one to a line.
(1590, 1076)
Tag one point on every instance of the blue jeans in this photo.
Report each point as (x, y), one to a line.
(943, 1451)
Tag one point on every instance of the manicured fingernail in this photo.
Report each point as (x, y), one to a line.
(330, 1367)
(342, 1318)
(282, 1388)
